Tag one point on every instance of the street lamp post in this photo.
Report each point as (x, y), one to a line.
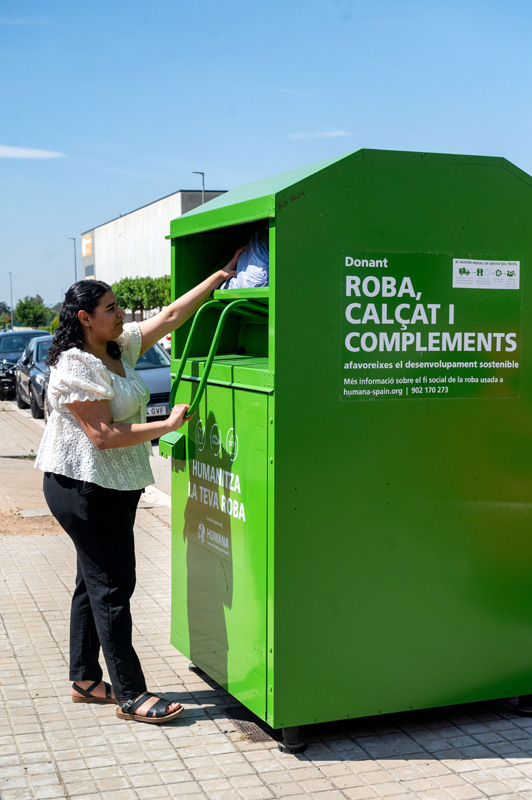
(196, 172)
(11, 295)
(75, 260)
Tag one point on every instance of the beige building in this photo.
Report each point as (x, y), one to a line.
(134, 244)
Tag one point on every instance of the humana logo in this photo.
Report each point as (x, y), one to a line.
(218, 539)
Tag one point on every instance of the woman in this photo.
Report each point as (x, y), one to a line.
(94, 454)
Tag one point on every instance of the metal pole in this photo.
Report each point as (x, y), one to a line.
(75, 260)
(196, 172)
(11, 294)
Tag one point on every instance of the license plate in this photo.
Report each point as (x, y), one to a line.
(157, 411)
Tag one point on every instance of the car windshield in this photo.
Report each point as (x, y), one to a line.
(42, 350)
(153, 358)
(15, 343)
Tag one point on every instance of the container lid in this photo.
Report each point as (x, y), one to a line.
(257, 200)
(246, 203)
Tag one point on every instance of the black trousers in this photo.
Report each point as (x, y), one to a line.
(100, 523)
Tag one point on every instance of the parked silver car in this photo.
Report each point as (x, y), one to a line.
(154, 366)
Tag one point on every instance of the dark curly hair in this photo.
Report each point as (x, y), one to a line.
(82, 296)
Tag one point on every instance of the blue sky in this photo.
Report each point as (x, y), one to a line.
(108, 106)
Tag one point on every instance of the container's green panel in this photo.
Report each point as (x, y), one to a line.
(409, 519)
(387, 543)
(219, 520)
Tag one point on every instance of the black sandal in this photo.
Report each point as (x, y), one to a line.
(92, 698)
(156, 713)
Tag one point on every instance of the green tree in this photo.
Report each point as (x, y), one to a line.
(128, 294)
(32, 313)
(139, 294)
(142, 293)
(163, 291)
(4, 309)
(149, 292)
(119, 288)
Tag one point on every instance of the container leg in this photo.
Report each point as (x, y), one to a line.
(193, 668)
(292, 741)
(524, 705)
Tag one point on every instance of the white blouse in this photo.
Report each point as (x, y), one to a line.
(65, 447)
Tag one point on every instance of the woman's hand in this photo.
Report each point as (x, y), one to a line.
(174, 315)
(178, 417)
(229, 271)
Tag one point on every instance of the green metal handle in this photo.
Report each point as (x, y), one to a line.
(250, 306)
(212, 352)
(186, 349)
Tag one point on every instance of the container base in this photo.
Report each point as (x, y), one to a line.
(292, 742)
(524, 705)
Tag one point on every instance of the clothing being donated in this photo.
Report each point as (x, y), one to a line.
(94, 494)
(66, 449)
(253, 265)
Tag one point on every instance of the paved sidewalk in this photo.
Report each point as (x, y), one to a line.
(20, 434)
(51, 748)
(20, 484)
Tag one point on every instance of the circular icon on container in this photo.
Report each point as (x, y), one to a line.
(199, 435)
(201, 532)
(231, 444)
(216, 441)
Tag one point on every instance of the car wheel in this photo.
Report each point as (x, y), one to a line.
(36, 410)
(20, 402)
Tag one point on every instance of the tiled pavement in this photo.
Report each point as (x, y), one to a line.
(20, 434)
(19, 438)
(51, 748)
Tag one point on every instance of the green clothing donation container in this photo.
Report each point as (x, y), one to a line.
(352, 500)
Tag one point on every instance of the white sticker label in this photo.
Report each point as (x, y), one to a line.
(471, 274)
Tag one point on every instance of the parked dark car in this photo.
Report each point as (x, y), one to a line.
(30, 374)
(154, 366)
(12, 345)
